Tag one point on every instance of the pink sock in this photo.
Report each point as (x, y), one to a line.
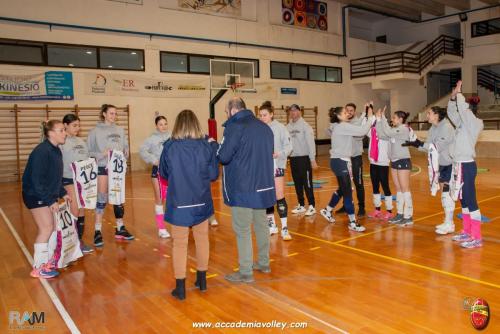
(467, 223)
(159, 222)
(476, 229)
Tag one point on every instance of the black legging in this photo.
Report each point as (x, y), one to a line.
(357, 177)
(380, 176)
(341, 171)
(302, 175)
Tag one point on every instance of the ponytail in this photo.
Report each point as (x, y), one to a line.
(334, 114)
(403, 115)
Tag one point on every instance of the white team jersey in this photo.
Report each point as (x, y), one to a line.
(85, 182)
(433, 168)
(117, 168)
(68, 244)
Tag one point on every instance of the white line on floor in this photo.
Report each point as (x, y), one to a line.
(57, 302)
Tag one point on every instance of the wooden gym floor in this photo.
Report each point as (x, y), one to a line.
(386, 280)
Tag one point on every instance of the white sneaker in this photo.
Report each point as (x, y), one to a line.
(440, 226)
(328, 215)
(285, 234)
(310, 211)
(214, 222)
(353, 226)
(446, 229)
(273, 229)
(163, 233)
(299, 209)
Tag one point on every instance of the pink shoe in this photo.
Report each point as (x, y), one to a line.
(386, 215)
(44, 272)
(375, 214)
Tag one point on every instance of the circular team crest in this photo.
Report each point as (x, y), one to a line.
(311, 21)
(300, 5)
(479, 314)
(288, 3)
(322, 24)
(300, 19)
(287, 16)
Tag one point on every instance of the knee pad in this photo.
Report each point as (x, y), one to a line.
(119, 211)
(282, 208)
(446, 187)
(270, 210)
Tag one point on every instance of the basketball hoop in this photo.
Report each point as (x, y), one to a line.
(236, 85)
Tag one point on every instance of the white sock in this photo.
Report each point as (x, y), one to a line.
(329, 208)
(377, 201)
(388, 202)
(98, 226)
(159, 209)
(41, 254)
(448, 206)
(284, 223)
(52, 244)
(400, 202)
(408, 209)
(119, 223)
(352, 217)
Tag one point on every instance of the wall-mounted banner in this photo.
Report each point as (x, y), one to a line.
(135, 2)
(52, 85)
(128, 85)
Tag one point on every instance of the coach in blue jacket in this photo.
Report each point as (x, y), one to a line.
(246, 153)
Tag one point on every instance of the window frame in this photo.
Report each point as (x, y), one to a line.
(189, 55)
(290, 65)
(44, 46)
(487, 25)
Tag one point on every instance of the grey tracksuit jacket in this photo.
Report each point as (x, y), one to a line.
(152, 147)
(342, 137)
(468, 127)
(282, 143)
(106, 137)
(74, 149)
(396, 136)
(442, 135)
(302, 136)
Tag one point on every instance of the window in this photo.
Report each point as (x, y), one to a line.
(280, 70)
(195, 63)
(299, 72)
(71, 56)
(334, 74)
(485, 28)
(199, 64)
(317, 73)
(14, 53)
(173, 62)
(122, 59)
(291, 71)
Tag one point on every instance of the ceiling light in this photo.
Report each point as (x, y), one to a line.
(110, 66)
(133, 53)
(71, 65)
(89, 52)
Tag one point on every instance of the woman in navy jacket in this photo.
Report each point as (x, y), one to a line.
(42, 188)
(189, 163)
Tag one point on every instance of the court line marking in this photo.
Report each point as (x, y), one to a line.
(338, 244)
(415, 220)
(52, 295)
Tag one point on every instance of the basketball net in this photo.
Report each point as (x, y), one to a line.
(236, 85)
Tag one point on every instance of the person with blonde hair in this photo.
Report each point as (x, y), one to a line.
(189, 163)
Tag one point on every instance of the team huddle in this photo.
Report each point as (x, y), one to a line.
(253, 154)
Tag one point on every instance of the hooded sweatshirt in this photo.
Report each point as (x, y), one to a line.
(282, 143)
(357, 141)
(106, 137)
(74, 149)
(442, 135)
(152, 147)
(302, 136)
(468, 127)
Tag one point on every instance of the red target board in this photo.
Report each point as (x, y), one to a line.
(305, 13)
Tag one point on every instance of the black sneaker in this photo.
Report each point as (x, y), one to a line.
(123, 234)
(98, 239)
(341, 210)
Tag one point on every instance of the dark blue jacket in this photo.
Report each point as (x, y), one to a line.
(43, 174)
(246, 151)
(189, 165)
